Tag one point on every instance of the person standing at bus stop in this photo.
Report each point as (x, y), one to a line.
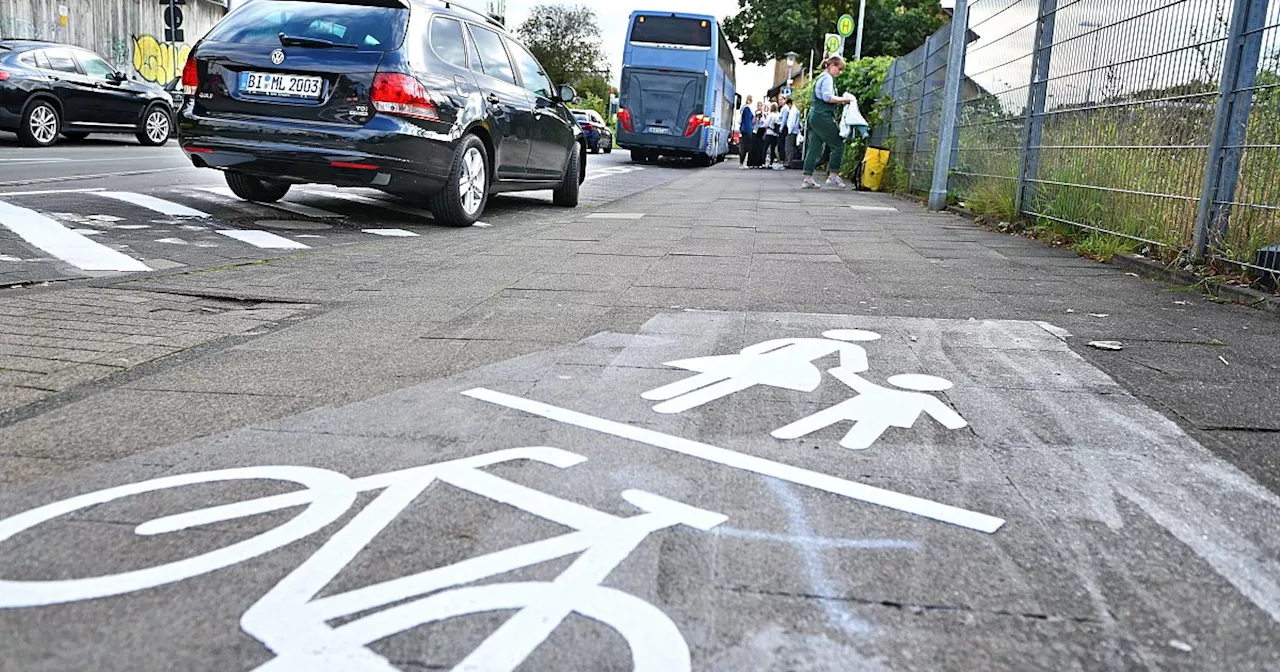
(746, 133)
(823, 132)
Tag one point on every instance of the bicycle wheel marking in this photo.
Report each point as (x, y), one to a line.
(291, 622)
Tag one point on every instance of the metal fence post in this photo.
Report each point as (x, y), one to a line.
(948, 132)
(922, 101)
(1033, 127)
(1230, 122)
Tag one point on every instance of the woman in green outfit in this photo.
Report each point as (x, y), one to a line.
(823, 132)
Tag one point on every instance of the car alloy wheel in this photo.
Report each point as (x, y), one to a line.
(158, 126)
(43, 124)
(472, 182)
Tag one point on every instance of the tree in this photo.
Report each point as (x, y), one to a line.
(566, 40)
(767, 29)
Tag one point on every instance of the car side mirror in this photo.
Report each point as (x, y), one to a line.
(567, 94)
(117, 77)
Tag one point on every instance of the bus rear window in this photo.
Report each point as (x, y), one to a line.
(671, 30)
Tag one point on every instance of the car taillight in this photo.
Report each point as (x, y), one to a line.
(403, 95)
(4, 74)
(624, 118)
(588, 127)
(190, 77)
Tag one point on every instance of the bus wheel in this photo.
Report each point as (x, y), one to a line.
(704, 161)
(640, 156)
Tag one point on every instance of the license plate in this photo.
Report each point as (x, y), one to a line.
(280, 85)
(658, 130)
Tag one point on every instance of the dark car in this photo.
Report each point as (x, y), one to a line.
(418, 98)
(599, 137)
(49, 89)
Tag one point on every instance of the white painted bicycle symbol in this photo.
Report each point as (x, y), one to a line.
(293, 622)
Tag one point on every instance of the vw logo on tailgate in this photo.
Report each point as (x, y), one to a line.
(277, 56)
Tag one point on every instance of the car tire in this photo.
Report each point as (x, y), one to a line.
(466, 191)
(75, 137)
(566, 195)
(608, 149)
(640, 156)
(253, 189)
(40, 125)
(156, 127)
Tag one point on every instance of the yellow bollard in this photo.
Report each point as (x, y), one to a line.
(873, 168)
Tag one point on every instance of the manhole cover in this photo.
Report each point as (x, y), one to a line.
(292, 224)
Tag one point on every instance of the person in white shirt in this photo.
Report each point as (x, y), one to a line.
(772, 124)
(790, 130)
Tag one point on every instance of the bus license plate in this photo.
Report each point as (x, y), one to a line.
(284, 86)
(658, 130)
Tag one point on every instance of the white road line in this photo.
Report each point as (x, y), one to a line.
(394, 207)
(264, 239)
(705, 451)
(50, 191)
(393, 233)
(152, 203)
(295, 208)
(615, 215)
(63, 243)
(880, 208)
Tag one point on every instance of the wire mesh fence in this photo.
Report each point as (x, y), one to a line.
(1157, 122)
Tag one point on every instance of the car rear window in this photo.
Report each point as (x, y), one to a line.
(369, 28)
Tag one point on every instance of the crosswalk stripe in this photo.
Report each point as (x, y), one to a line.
(263, 239)
(295, 208)
(393, 233)
(152, 203)
(54, 238)
(387, 205)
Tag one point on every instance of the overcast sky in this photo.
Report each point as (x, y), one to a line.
(752, 79)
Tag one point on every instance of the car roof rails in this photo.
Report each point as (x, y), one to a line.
(454, 4)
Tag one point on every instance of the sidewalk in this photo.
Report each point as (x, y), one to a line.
(1127, 546)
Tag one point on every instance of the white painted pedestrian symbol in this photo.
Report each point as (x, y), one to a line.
(292, 620)
(878, 408)
(787, 363)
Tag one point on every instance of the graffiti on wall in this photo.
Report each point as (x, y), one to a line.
(116, 51)
(157, 61)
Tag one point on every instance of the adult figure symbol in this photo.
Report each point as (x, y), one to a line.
(786, 363)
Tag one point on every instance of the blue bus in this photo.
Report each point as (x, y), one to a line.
(677, 94)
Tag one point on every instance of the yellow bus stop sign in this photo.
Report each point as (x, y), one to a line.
(834, 43)
(845, 26)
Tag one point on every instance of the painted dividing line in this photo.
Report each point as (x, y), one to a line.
(152, 203)
(392, 233)
(54, 238)
(705, 451)
(615, 215)
(263, 239)
(286, 206)
(877, 208)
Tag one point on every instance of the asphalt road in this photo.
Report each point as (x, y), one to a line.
(706, 421)
(141, 209)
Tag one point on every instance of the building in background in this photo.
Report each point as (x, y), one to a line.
(795, 78)
(136, 36)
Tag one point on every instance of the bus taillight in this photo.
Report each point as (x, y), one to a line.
(696, 120)
(624, 118)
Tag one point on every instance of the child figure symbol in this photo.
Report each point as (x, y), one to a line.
(785, 362)
(877, 408)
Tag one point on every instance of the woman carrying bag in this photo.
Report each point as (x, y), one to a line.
(824, 133)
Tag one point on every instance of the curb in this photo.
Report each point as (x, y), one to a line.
(1150, 268)
(1241, 295)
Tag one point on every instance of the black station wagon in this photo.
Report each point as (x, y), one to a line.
(420, 98)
